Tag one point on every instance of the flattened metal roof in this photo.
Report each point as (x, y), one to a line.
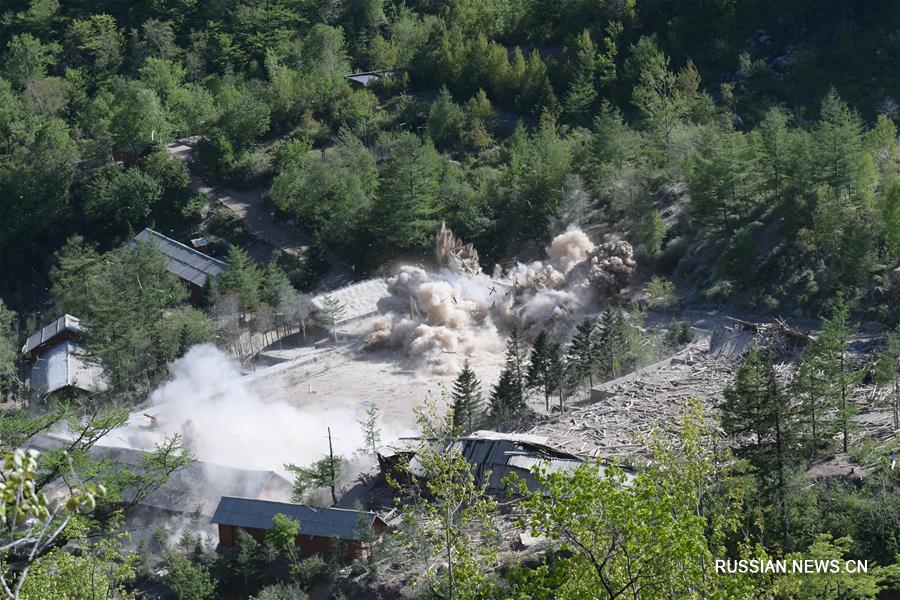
(61, 325)
(320, 522)
(197, 488)
(184, 262)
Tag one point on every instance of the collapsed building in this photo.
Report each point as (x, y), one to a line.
(193, 490)
(493, 457)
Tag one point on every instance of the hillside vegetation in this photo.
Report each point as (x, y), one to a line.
(747, 151)
(754, 133)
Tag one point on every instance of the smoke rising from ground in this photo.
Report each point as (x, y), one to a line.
(222, 420)
(438, 319)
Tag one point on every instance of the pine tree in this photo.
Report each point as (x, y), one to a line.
(810, 388)
(757, 412)
(508, 395)
(370, 430)
(466, 399)
(887, 372)
(241, 279)
(515, 360)
(505, 397)
(840, 149)
(330, 311)
(582, 355)
(774, 153)
(545, 366)
(717, 177)
(618, 343)
(830, 350)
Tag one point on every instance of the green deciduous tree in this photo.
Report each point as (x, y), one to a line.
(182, 328)
(87, 568)
(331, 195)
(31, 524)
(27, 58)
(244, 115)
(137, 118)
(97, 44)
(455, 521)
(188, 579)
(119, 201)
(651, 535)
(36, 179)
(840, 584)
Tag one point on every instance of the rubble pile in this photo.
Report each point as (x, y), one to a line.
(624, 414)
(451, 253)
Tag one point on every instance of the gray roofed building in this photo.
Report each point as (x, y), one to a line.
(62, 366)
(65, 326)
(319, 522)
(58, 362)
(494, 455)
(190, 265)
(197, 488)
(320, 528)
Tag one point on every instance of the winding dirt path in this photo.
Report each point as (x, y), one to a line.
(247, 205)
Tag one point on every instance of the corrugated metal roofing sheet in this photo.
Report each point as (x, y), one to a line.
(63, 365)
(57, 327)
(321, 522)
(181, 492)
(184, 262)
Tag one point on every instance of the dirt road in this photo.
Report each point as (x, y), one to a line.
(247, 205)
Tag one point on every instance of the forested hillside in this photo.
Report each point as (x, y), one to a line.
(755, 133)
(594, 186)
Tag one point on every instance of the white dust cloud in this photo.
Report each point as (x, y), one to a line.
(438, 319)
(222, 420)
